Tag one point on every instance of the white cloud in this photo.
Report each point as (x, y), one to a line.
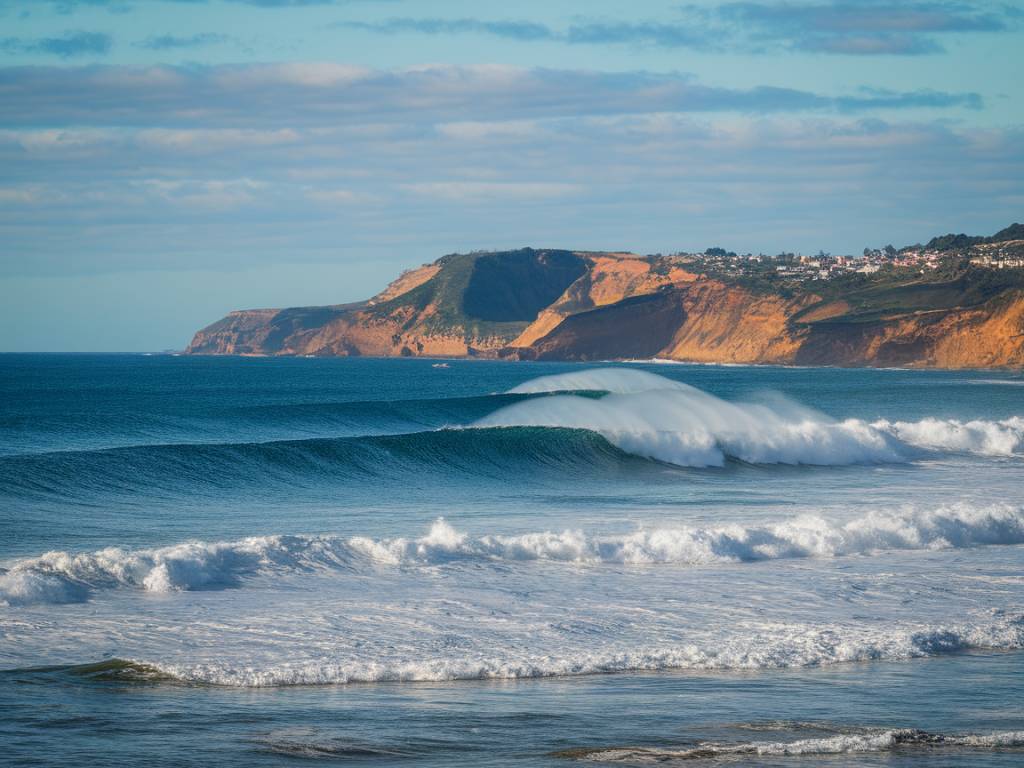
(302, 74)
(477, 191)
(310, 95)
(336, 196)
(21, 195)
(474, 130)
(214, 140)
(205, 194)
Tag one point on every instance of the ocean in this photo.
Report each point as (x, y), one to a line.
(259, 561)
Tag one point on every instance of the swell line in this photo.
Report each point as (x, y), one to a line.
(63, 577)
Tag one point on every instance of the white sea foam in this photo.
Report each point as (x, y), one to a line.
(882, 740)
(59, 577)
(30, 585)
(987, 438)
(617, 380)
(769, 647)
(655, 417)
(62, 577)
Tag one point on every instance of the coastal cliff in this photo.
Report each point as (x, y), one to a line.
(573, 305)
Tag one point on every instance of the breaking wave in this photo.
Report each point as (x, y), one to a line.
(876, 740)
(986, 438)
(769, 647)
(651, 416)
(762, 647)
(62, 577)
(538, 428)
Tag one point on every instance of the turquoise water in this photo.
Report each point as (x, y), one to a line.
(260, 561)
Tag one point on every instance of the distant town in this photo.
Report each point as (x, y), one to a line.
(1002, 251)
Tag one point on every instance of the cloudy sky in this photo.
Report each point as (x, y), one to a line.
(163, 162)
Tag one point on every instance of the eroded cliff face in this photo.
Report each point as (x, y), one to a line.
(987, 336)
(610, 278)
(636, 327)
(545, 304)
(242, 332)
(727, 324)
(717, 323)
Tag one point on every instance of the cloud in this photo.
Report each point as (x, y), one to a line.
(335, 196)
(112, 168)
(168, 42)
(66, 7)
(516, 30)
(851, 27)
(125, 6)
(293, 3)
(23, 195)
(87, 199)
(67, 46)
(200, 141)
(663, 35)
(874, 98)
(481, 191)
(205, 194)
(863, 27)
(473, 130)
(842, 16)
(268, 96)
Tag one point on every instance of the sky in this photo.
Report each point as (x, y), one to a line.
(167, 161)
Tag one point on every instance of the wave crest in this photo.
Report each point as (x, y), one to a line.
(651, 416)
(614, 380)
(62, 577)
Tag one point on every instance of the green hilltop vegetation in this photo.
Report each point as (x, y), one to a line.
(493, 294)
(956, 284)
(953, 242)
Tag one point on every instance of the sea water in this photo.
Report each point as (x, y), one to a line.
(228, 561)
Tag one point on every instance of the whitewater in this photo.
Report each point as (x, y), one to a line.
(658, 418)
(868, 742)
(379, 560)
(63, 577)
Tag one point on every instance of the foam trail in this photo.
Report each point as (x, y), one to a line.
(651, 416)
(841, 744)
(769, 646)
(988, 438)
(62, 577)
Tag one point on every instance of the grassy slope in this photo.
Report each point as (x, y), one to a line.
(894, 292)
(462, 281)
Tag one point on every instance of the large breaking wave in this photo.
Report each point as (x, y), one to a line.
(63, 577)
(655, 417)
(586, 422)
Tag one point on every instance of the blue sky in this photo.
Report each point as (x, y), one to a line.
(164, 162)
